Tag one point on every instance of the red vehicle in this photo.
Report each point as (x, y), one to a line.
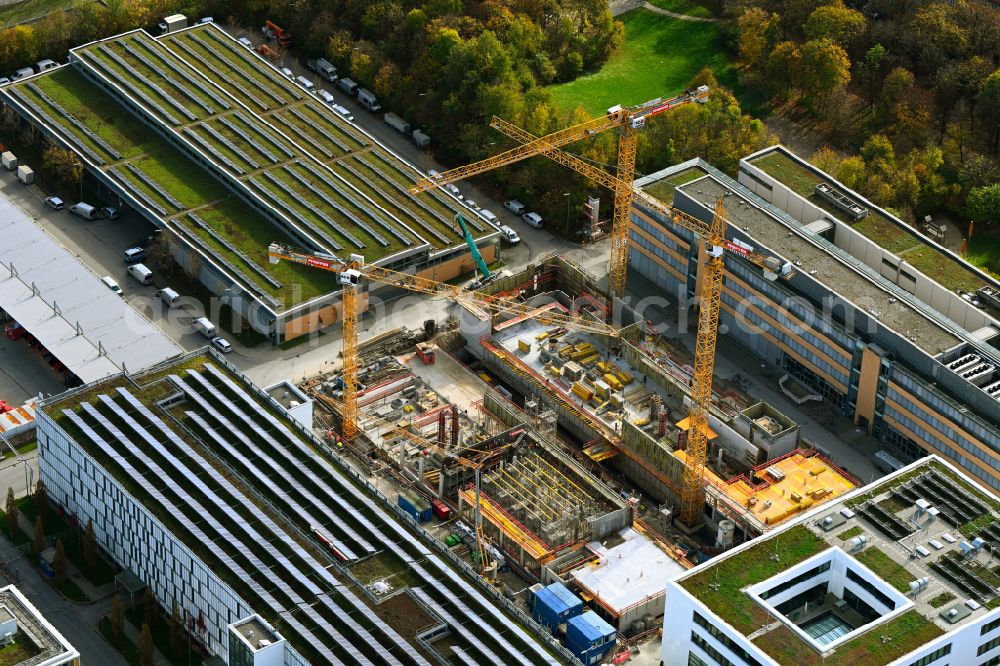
(440, 509)
(273, 31)
(14, 331)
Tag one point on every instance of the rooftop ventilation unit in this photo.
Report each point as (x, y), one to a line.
(964, 362)
(840, 201)
(993, 389)
(979, 374)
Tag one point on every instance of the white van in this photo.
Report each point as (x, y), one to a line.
(533, 220)
(141, 274)
(515, 207)
(112, 284)
(43, 65)
(21, 73)
(84, 210)
(366, 98)
(305, 83)
(325, 96)
(168, 296)
(489, 216)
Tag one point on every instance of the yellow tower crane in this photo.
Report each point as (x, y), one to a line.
(713, 234)
(629, 120)
(351, 272)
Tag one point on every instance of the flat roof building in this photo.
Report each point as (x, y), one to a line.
(210, 141)
(891, 574)
(91, 330)
(198, 483)
(28, 638)
(869, 322)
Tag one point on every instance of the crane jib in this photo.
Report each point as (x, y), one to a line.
(319, 263)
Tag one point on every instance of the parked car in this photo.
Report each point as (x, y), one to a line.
(134, 254)
(203, 20)
(110, 212)
(287, 72)
(111, 284)
(451, 187)
(515, 207)
(344, 112)
(3, 80)
(510, 235)
(245, 42)
(325, 96)
(21, 73)
(533, 220)
(222, 345)
(55, 203)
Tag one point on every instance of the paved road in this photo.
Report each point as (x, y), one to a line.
(13, 475)
(73, 622)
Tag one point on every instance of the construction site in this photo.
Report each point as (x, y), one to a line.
(545, 455)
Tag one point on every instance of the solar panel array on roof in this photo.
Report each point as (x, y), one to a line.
(107, 322)
(329, 517)
(162, 500)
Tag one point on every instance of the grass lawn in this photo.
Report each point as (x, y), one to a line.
(948, 273)
(850, 533)
(72, 591)
(658, 59)
(28, 448)
(983, 251)
(886, 568)
(904, 633)
(941, 599)
(20, 649)
(685, 7)
(664, 190)
(27, 10)
(720, 587)
(124, 646)
(161, 636)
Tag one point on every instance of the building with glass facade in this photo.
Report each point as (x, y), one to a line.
(911, 359)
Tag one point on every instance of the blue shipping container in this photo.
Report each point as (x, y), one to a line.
(589, 637)
(554, 605)
(418, 509)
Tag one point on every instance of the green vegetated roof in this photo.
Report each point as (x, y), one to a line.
(883, 231)
(664, 189)
(298, 156)
(720, 587)
(880, 645)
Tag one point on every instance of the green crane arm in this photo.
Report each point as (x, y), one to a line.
(476, 256)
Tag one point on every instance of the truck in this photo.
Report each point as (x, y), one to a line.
(204, 326)
(397, 123)
(322, 67)
(25, 174)
(421, 139)
(173, 23)
(9, 160)
(367, 99)
(272, 31)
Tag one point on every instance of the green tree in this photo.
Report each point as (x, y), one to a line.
(878, 154)
(13, 512)
(983, 204)
(59, 561)
(897, 86)
(758, 32)
(825, 68)
(988, 101)
(144, 646)
(118, 619)
(88, 544)
(38, 543)
(871, 71)
(933, 36)
(176, 630)
(41, 498)
(149, 606)
(785, 65)
(835, 22)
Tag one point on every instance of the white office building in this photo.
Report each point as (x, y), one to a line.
(27, 638)
(900, 574)
(200, 486)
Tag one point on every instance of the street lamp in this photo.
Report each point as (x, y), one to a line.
(566, 195)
